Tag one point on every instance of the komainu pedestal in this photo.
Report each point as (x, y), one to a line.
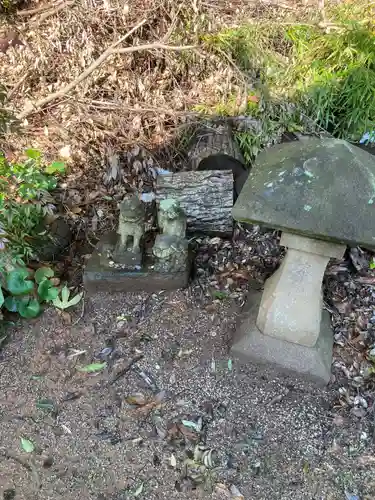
(123, 262)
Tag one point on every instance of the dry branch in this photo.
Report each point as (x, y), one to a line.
(31, 12)
(37, 106)
(55, 10)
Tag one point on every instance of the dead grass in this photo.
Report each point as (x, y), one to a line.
(139, 97)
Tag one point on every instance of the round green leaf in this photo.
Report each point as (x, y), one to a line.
(29, 308)
(10, 303)
(42, 273)
(46, 291)
(17, 282)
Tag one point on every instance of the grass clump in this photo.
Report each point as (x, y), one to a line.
(333, 76)
(326, 75)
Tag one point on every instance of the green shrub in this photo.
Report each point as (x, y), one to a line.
(24, 202)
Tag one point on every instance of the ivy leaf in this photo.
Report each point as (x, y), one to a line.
(28, 307)
(2, 300)
(42, 273)
(47, 291)
(17, 282)
(56, 167)
(27, 445)
(94, 367)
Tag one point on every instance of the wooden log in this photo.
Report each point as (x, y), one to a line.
(205, 196)
(213, 139)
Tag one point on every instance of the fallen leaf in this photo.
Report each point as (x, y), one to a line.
(137, 399)
(46, 404)
(27, 445)
(138, 491)
(173, 461)
(197, 426)
(152, 404)
(236, 494)
(222, 490)
(11, 39)
(187, 433)
(92, 368)
(65, 152)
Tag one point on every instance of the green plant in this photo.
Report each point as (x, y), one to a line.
(24, 202)
(333, 76)
(65, 301)
(23, 292)
(327, 73)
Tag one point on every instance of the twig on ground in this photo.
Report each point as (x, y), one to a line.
(14, 89)
(125, 370)
(49, 13)
(281, 5)
(82, 312)
(31, 12)
(37, 106)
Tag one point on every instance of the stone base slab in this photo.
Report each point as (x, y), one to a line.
(98, 277)
(313, 363)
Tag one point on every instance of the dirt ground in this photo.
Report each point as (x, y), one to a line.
(169, 391)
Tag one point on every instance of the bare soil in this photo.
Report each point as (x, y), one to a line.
(272, 438)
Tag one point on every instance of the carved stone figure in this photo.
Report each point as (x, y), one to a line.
(131, 224)
(125, 260)
(171, 253)
(171, 218)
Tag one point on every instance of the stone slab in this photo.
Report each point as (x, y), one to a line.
(99, 278)
(250, 345)
(319, 188)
